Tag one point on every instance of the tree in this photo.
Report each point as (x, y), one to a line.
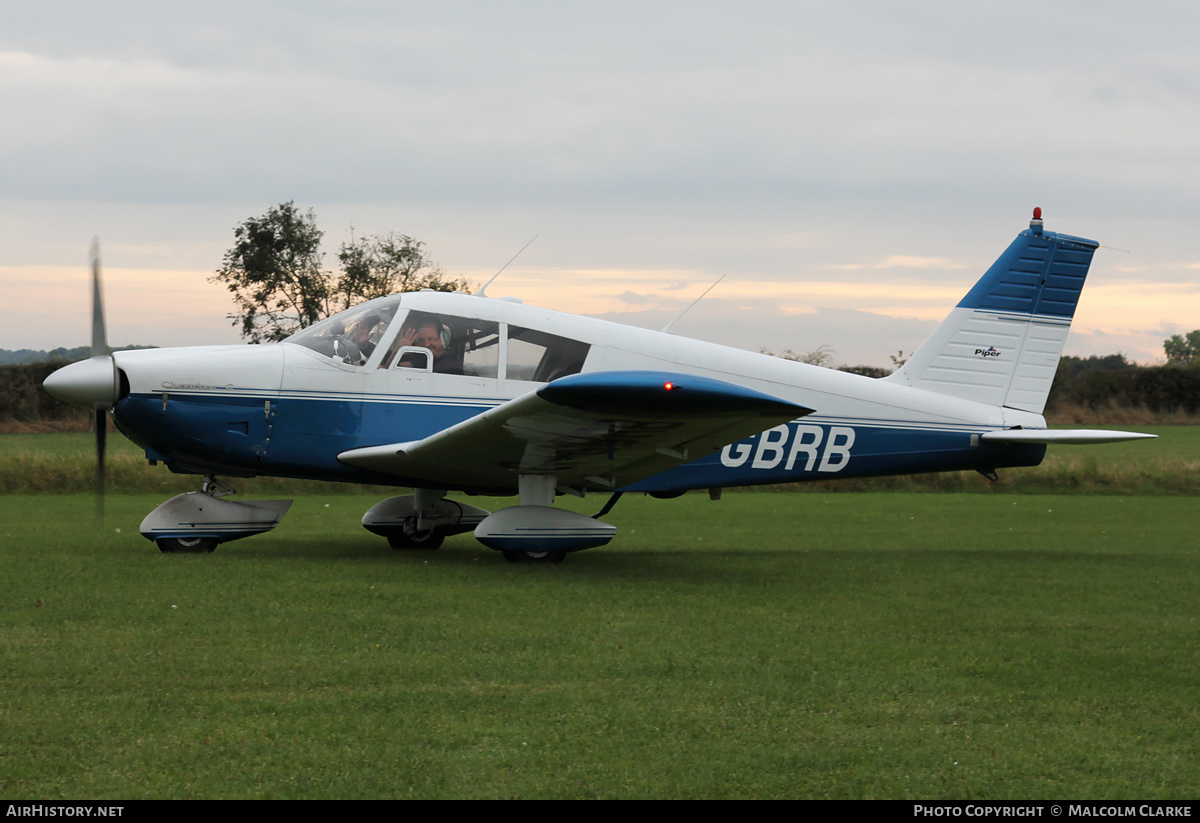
(820, 356)
(1183, 350)
(377, 266)
(274, 272)
(866, 371)
(823, 356)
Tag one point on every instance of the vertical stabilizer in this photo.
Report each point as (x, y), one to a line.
(1002, 343)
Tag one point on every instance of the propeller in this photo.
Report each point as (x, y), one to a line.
(99, 349)
(91, 383)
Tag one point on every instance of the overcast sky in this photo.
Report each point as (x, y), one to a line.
(852, 167)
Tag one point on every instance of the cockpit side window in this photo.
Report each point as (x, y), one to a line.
(541, 357)
(459, 345)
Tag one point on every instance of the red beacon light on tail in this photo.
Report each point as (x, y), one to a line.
(1036, 223)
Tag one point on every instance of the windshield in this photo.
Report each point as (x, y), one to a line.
(350, 336)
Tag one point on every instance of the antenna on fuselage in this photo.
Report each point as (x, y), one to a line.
(481, 293)
(667, 328)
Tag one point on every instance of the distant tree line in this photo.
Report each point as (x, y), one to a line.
(23, 400)
(823, 356)
(9, 357)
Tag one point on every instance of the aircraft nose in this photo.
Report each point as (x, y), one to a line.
(85, 383)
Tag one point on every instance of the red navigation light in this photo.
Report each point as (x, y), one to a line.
(1037, 212)
(669, 386)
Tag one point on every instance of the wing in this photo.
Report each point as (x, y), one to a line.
(591, 431)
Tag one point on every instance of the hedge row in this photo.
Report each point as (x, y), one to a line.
(1161, 389)
(23, 400)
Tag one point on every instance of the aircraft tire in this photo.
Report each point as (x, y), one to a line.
(534, 557)
(187, 545)
(430, 540)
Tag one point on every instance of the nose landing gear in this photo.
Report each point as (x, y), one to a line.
(197, 522)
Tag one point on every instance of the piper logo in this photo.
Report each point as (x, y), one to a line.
(990, 351)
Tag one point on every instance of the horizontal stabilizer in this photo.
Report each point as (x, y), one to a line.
(1068, 436)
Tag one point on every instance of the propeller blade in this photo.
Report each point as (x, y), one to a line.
(100, 419)
(99, 335)
(99, 349)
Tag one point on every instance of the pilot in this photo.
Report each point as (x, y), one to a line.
(428, 332)
(362, 335)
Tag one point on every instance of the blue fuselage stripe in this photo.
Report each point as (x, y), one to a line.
(301, 437)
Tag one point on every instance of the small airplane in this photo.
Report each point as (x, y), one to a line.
(454, 392)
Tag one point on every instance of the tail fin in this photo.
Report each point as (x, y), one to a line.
(1002, 343)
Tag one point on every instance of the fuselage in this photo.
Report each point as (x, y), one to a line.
(288, 409)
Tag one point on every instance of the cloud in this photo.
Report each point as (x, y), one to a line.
(856, 337)
(634, 299)
(481, 103)
(847, 157)
(902, 261)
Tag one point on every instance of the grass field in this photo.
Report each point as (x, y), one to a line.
(768, 645)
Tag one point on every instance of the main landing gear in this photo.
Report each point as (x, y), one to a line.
(532, 532)
(421, 520)
(536, 532)
(591, 534)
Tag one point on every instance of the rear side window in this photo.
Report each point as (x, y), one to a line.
(541, 357)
